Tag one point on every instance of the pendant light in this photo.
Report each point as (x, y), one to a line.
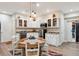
(32, 13)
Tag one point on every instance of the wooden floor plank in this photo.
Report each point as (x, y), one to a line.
(4, 50)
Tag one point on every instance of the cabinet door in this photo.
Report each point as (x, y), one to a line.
(49, 22)
(57, 39)
(53, 39)
(25, 23)
(54, 21)
(20, 22)
(48, 38)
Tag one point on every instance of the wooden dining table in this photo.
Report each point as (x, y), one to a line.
(39, 40)
(23, 42)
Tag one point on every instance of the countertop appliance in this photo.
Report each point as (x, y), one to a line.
(42, 32)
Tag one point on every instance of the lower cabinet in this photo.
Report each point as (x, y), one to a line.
(53, 39)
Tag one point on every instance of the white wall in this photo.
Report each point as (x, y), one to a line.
(13, 25)
(65, 31)
(6, 27)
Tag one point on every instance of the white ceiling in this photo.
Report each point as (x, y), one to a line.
(21, 7)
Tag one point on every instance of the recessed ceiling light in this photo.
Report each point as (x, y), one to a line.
(37, 4)
(47, 10)
(71, 10)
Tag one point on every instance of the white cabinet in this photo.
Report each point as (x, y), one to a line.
(21, 23)
(52, 39)
(54, 21)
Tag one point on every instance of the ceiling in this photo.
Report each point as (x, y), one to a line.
(44, 7)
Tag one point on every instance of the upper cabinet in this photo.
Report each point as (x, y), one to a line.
(49, 22)
(25, 23)
(53, 21)
(20, 22)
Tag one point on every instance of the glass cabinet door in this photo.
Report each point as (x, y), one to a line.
(25, 23)
(20, 22)
(49, 22)
(55, 22)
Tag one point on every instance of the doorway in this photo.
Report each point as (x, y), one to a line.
(70, 31)
(0, 32)
(77, 32)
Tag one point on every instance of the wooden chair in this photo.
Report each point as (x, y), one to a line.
(32, 48)
(15, 50)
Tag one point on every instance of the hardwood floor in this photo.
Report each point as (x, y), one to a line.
(4, 50)
(68, 49)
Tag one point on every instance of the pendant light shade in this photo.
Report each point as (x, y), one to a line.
(32, 13)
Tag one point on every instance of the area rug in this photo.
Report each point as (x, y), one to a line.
(54, 53)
